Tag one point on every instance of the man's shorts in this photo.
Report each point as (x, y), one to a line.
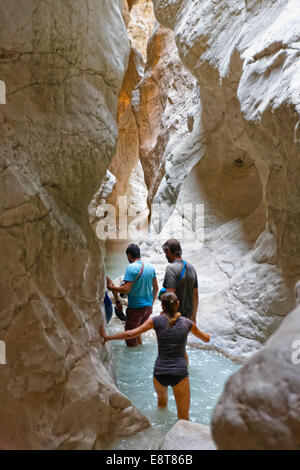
(136, 317)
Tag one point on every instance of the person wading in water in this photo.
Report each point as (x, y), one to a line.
(140, 284)
(181, 278)
(171, 367)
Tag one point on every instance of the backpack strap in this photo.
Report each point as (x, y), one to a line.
(140, 273)
(182, 272)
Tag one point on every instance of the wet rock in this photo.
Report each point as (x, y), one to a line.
(185, 435)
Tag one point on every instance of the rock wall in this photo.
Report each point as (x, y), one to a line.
(127, 152)
(63, 66)
(141, 25)
(259, 408)
(161, 105)
(244, 56)
(126, 165)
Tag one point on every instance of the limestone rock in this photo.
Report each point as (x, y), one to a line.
(245, 56)
(260, 405)
(165, 96)
(245, 89)
(245, 59)
(125, 165)
(63, 66)
(106, 188)
(127, 152)
(137, 205)
(185, 435)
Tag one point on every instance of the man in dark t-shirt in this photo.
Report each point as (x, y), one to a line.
(181, 278)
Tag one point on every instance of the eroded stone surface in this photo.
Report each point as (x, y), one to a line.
(253, 87)
(63, 67)
(238, 163)
(162, 102)
(245, 56)
(127, 152)
(185, 435)
(141, 24)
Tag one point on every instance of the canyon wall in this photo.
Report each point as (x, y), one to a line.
(161, 103)
(244, 165)
(126, 164)
(63, 66)
(245, 57)
(127, 153)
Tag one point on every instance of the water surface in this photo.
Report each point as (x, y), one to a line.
(208, 372)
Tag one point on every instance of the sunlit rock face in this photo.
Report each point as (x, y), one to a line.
(141, 25)
(186, 435)
(127, 153)
(244, 57)
(161, 105)
(126, 166)
(63, 66)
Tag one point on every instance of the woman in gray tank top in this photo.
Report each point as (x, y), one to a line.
(171, 365)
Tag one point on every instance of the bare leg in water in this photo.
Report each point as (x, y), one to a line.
(162, 394)
(181, 393)
(182, 397)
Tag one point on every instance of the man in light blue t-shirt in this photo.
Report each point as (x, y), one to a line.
(140, 284)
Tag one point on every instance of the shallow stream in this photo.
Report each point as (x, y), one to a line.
(208, 372)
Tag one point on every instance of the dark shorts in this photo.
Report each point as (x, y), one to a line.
(169, 380)
(136, 317)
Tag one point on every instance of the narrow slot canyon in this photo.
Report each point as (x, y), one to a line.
(136, 121)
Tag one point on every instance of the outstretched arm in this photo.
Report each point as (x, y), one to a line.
(196, 332)
(129, 334)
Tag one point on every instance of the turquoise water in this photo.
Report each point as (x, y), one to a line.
(208, 372)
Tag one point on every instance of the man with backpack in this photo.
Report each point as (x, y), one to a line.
(181, 278)
(140, 284)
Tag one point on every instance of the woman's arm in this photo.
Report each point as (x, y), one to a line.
(196, 332)
(129, 334)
